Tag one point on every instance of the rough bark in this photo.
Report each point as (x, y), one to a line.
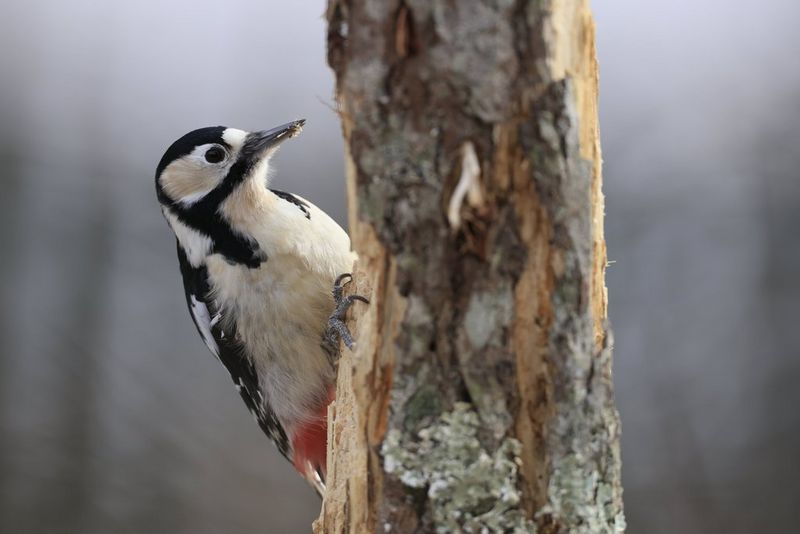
(480, 392)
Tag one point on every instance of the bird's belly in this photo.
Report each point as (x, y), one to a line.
(279, 312)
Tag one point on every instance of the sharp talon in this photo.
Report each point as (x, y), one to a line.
(339, 279)
(349, 343)
(338, 286)
(337, 328)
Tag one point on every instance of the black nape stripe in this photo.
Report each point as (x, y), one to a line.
(288, 197)
(235, 247)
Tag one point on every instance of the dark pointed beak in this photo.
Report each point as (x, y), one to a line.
(258, 142)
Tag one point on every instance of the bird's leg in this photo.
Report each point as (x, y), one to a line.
(337, 328)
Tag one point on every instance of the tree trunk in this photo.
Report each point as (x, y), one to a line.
(479, 395)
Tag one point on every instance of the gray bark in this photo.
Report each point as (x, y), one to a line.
(480, 395)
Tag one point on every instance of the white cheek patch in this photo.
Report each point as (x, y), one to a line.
(189, 179)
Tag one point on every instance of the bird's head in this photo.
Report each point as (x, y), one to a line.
(206, 165)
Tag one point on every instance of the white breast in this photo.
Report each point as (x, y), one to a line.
(281, 308)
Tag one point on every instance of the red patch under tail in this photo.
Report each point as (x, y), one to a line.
(310, 449)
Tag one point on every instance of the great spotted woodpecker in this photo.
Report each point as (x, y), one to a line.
(258, 266)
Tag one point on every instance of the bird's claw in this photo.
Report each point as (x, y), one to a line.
(337, 327)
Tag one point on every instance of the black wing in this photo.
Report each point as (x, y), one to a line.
(220, 337)
(288, 197)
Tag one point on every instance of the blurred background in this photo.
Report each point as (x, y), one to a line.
(113, 416)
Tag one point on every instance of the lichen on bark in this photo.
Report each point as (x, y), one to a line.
(471, 489)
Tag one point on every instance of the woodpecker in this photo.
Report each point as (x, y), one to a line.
(258, 266)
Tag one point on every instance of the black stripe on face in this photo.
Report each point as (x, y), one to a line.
(255, 148)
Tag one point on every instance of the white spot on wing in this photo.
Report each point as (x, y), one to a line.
(204, 324)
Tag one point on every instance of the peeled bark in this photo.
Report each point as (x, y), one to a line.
(480, 393)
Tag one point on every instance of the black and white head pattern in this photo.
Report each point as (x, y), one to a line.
(199, 171)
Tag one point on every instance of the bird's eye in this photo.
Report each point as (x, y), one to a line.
(215, 154)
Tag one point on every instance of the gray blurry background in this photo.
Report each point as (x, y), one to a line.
(113, 416)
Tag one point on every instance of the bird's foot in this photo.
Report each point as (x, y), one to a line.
(337, 327)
